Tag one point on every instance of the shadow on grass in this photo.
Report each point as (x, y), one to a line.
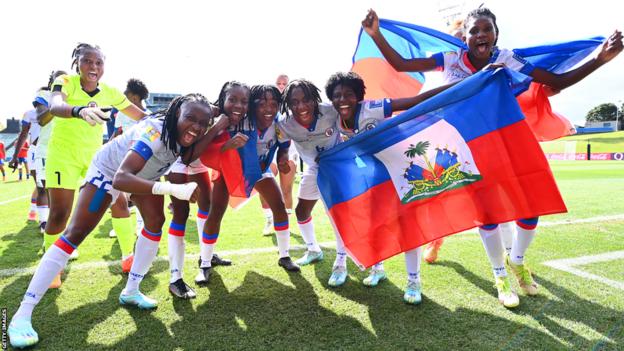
(262, 313)
(23, 248)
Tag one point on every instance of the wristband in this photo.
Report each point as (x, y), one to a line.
(75, 112)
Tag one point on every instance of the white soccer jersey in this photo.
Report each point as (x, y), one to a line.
(321, 135)
(124, 122)
(144, 139)
(267, 145)
(368, 115)
(455, 65)
(43, 98)
(30, 119)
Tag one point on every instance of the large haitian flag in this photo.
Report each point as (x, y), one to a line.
(464, 158)
(412, 41)
(239, 168)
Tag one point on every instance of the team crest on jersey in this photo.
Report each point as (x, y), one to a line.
(370, 126)
(92, 104)
(329, 132)
(432, 161)
(151, 134)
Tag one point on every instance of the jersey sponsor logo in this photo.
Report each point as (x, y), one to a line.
(370, 126)
(329, 132)
(375, 104)
(92, 104)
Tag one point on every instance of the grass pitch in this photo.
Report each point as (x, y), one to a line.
(254, 304)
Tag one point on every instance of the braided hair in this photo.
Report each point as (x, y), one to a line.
(258, 92)
(349, 79)
(80, 50)
(310, 91)
(482, 12)
(169, 133)
(245, 122)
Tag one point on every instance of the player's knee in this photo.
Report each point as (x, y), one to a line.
(59, 215)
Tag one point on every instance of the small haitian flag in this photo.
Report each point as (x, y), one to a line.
(464, 158)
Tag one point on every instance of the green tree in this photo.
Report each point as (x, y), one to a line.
(602, 112)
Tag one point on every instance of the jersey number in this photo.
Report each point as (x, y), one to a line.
(58, 176)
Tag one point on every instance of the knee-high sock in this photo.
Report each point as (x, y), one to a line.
(268, 214)
(200, 220)
(145, 252)
(42, 213)
(490, 236)
(175, 241)
(307, 232)
(139, 222)
(507, 231)
(522, 240)
(206, 249)
(282, 234)
(378, 266)
(125, 235)
(412, 264)
(341, 251)
(33, 205)
(52, 263)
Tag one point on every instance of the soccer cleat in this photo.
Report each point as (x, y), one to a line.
(375, 276)
(112, 234)
(288, 264)
(56, 283)
(180, 289)
(413, 293)
(126, 264)
(42, 226)
(74, 255)
(310, 257)
(32, 215)
(137, 299)
(218, 261)
(22, 334)
(524, 277)
(268, 227)
(203, 276)
(338, 276)
(506, 294)
(432, 249)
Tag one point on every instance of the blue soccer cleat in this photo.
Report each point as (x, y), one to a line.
(22, 334)
(413, 294)
(310, 257)
(375, 276)
(139, 300)
(338, 276)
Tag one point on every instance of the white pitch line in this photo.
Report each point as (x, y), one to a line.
(103, 264)
(13, 200)
(99, 264)
(568, 265)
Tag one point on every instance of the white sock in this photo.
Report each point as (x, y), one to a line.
(175, 241)
(268, 214)
(306, 228)
(522, 240)
(490, 236)
(378, 266)
(139, 222)
(341, 252)
(507, 231)
(52, 263)
(200, 220)
(282, 234)
(412, 264)
(206, 248)
(42, 213)
(144, 253)
(33, 205)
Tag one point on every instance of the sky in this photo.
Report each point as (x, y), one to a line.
(185, 46)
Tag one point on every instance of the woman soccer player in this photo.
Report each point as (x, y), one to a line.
(481, 34)
(131, 163)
